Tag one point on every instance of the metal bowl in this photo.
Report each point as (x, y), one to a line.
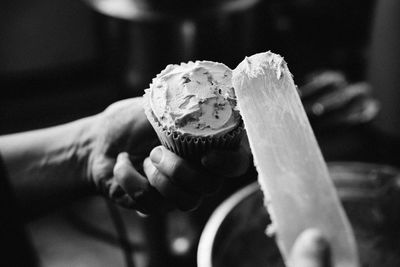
(370, 193)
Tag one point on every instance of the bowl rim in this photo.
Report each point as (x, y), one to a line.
(204, 253)
(209, 233)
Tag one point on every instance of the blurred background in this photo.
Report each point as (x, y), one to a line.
(62, 60)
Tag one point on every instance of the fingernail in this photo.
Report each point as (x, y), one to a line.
(156, 155)
(123, 156)
(310, 249)
(122, 160)
(313, 238)
(314, 243)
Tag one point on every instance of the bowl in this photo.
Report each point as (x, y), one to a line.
(370, 194)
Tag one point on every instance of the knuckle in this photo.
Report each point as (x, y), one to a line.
(174, 165)
(121, 169)
(177, 170)
(156, 178)
(119, 173)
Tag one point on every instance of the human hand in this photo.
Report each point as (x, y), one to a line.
(126, 165)
(310, 250)
(331, 101)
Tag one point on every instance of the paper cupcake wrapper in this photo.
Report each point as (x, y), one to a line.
(192, 147)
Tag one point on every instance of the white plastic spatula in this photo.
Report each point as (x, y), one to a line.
(299, 193)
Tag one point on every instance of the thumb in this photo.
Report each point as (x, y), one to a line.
(311, 249)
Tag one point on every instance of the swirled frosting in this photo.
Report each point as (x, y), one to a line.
(194, 98)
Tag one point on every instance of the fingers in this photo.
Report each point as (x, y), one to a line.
(185, 184)
(310, 250)
(175, 179)
(137, 192)
(127, 176)
(319, 83)
(338, 99)
(182, 174)
(228, 163)
(182, 198)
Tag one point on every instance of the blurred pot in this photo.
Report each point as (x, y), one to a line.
(139, 38)
(235, 233)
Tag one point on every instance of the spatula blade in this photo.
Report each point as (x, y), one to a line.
(293, 175)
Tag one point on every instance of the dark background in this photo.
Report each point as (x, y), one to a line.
(61, 60)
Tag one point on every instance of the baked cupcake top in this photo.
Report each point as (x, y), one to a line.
(195, 98)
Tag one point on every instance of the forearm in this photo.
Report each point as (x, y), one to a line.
(47, 167)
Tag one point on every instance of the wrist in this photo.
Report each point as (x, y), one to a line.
(83, 139)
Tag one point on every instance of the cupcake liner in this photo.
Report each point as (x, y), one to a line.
(193, 147)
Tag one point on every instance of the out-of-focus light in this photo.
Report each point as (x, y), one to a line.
(180, 245)
(188, 30)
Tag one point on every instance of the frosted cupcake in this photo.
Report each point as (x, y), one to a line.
(192, 107)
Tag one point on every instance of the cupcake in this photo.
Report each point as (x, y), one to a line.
(192, 107)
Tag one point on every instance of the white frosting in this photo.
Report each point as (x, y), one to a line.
(267, 59)
(195, 98)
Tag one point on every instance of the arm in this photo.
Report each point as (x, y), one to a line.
(47, 167)
(112, 153)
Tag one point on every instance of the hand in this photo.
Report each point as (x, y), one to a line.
(330, 101)
(126, 165)
(310, 250)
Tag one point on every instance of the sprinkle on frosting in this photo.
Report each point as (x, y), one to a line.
(195, 98)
